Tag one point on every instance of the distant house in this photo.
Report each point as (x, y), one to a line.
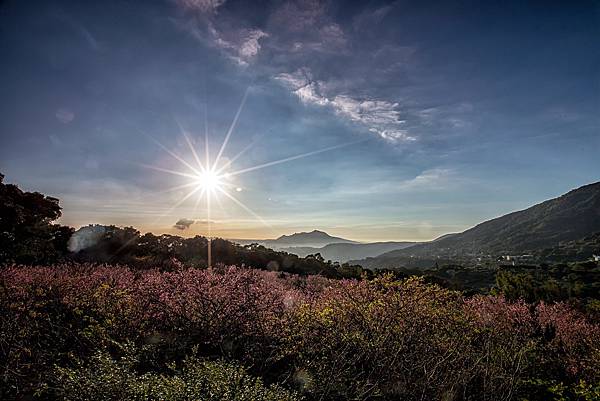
(518, 259)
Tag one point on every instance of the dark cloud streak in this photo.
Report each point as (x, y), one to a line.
(183, 224)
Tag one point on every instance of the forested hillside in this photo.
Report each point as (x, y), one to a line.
(570, 217)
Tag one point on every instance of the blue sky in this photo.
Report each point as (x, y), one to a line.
(440, 114)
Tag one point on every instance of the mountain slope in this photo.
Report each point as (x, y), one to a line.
(348, 251)
(569, 217)
(577, 250)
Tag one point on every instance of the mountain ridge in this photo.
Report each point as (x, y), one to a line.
(344, 252)
(314, 238)
(569, 217)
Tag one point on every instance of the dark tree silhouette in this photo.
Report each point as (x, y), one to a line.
(27, 234)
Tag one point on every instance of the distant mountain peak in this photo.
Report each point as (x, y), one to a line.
(313, 238)
(313, 233)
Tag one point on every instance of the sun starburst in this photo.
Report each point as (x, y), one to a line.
(213, 179)
(209, 181)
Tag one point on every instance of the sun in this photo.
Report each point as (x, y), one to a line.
(210, 181)
(208, 178)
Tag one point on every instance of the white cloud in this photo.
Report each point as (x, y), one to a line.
(65, 115)
(436, 178)
(305, 26)
(301, 31)
(250, 45)
(375, 112)
(299, 27)
(242, 46)
(369, 18)
(378, 116)
(298, 15)
(301, 85)
(203, 6)
(294, 81)
(450, 116)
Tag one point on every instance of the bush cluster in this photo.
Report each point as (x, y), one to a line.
(79, 332)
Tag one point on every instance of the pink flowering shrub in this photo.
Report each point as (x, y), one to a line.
(553, 341)
(570, 339)
(329, 339)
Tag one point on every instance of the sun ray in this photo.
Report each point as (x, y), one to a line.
(220, 204)
(288, 159)
(246, 208)
(231, 128)
(230, 161)
(175, 156)
(198, 199)
(179, 202)
(225, 183)
(164, 170)
(211, 179)
(206, 145)
(191, 146)
(208, 217)
(176, 188)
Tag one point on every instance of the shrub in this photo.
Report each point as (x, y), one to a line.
(107, 379)
(330, 339)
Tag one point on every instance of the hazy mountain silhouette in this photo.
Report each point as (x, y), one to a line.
(348, 251)
(569, 217)
(314, 239)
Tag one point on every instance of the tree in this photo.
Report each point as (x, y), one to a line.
(27, 234)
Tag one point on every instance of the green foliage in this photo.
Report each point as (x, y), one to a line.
(381, 340)
(551, 283)
(102, 377)
(551, 390)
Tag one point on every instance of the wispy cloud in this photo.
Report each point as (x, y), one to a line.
(295, 27)
(65, 115)
(242, 46)
(370, 17)
(296, 43)
(299, 15)
(239, 45)
(203, 6)
(305, 27)
(379, 116)
(432, 179)
(452, 115)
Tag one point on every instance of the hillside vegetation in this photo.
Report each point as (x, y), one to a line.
(76, 332)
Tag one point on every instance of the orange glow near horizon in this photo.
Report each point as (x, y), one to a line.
(212, 179)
